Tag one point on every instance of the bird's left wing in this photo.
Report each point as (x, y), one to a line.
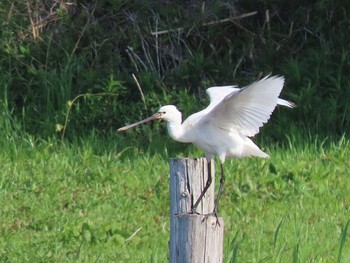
(246, 109)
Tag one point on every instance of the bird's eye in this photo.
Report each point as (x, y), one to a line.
(163, 112)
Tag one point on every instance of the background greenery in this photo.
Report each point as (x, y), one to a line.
(53, 51)
(68, 181)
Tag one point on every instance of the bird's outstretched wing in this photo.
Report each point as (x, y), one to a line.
(218, 93)
(246, 109)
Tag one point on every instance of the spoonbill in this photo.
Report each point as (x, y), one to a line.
(224, 127)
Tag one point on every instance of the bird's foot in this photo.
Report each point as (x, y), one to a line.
(206, 216)
(212, 214)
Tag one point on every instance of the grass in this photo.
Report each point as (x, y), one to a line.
(95, 200)
(55, 201)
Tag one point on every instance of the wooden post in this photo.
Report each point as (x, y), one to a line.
(193, 238)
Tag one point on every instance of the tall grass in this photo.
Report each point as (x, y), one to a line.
(5, 121)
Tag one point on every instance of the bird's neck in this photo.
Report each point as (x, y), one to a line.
(175, 130)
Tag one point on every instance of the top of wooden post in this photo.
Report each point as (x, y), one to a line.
(188, 177)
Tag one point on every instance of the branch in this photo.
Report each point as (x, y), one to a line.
(230, 19)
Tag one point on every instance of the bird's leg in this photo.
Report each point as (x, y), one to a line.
(206, 187)
(222, 182)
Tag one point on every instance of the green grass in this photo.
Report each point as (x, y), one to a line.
(83, 201)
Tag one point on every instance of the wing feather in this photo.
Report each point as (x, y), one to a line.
(246, 109)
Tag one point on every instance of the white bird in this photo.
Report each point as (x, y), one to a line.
(224, 127)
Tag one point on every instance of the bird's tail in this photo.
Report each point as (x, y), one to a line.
(253, 150)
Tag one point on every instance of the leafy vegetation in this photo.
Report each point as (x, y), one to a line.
(54, 51)
(71, 189)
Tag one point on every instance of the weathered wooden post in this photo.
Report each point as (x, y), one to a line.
(193, 238)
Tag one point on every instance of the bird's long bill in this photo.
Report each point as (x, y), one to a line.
(153, 117)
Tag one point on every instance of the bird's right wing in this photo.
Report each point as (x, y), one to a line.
(246, 109)
(218, 93)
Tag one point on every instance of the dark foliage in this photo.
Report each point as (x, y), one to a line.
(53, 51)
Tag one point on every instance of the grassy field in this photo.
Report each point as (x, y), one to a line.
(96, 200)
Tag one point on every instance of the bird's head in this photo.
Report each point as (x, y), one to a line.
(168, 113)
